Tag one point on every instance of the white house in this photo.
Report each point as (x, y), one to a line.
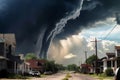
(112, 60)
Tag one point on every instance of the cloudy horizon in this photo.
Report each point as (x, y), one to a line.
(72, 50)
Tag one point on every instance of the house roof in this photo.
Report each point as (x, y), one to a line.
(35, 64)
(110, 55)
(14, 58)
(86, 65)
(117, 47)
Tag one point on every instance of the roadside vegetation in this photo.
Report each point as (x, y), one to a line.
(102, 76)
(107, 75)
(67, 77)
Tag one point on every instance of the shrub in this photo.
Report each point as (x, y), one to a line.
(65, 79)
(4, 73)
(68, 75)
(109, 72)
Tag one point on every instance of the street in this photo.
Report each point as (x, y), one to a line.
(81, 77)
(60, 76)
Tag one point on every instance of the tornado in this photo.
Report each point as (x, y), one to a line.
(58, 28)
(36, 23)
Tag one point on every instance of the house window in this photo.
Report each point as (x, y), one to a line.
(10, 49)
(113, 63)
(1, 65)
(1, 49)
(118, 53)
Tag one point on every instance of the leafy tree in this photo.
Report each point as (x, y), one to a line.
(30, 56)
(72, 67)
(53, 67)
(91, 59)
(50, 66)
(60, 67)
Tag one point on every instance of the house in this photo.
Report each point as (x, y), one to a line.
(8, 58)
(36, 64)
(109, 61)
(98, 65)
(112, 60)
(24, 67)
(86, 68)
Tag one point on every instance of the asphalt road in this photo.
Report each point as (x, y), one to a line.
(60, 76)
(81, 77)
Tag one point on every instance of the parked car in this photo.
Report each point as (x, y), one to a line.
(34, 73)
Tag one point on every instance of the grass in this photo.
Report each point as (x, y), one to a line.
(102, 76)
(67, 77)
(16, 76)
(43, 75)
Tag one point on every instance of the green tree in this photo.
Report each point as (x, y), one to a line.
(72, 67)
(30, 56)
(91, 59)
(60, 67)
(50, 66)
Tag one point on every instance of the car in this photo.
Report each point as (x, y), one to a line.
(34, 73)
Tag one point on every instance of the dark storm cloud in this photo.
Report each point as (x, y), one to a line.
(33, 20)
(93, 11)
(28, 18)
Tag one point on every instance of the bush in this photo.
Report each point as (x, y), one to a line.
(4, 73)
(109, 72)
(14, 76)
(65, 79)
(68, 76)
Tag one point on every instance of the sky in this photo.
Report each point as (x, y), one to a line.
(74, 47)
(62, 26)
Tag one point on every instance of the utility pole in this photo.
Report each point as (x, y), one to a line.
(96, 64)
(86, 57)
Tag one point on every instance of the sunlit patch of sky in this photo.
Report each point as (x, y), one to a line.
(102, 30)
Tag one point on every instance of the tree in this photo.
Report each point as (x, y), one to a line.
(91, 59)
(50, 66)
(30, 56)
(72, 67)
(60, 67)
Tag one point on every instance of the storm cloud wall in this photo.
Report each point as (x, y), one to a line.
(37, 22)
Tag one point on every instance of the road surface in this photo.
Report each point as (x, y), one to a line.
(60, 76)
(81, 77)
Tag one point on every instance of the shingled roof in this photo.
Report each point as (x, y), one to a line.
(117, 47)
(110, 55)
(36, 64)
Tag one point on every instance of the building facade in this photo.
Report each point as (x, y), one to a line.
(8, 58)
(112, 60)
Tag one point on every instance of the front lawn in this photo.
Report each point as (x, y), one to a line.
(102, 76)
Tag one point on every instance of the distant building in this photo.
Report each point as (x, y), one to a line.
(86, 68)
(8, 58)
(36, 64)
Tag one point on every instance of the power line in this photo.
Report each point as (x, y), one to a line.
(110, 32)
